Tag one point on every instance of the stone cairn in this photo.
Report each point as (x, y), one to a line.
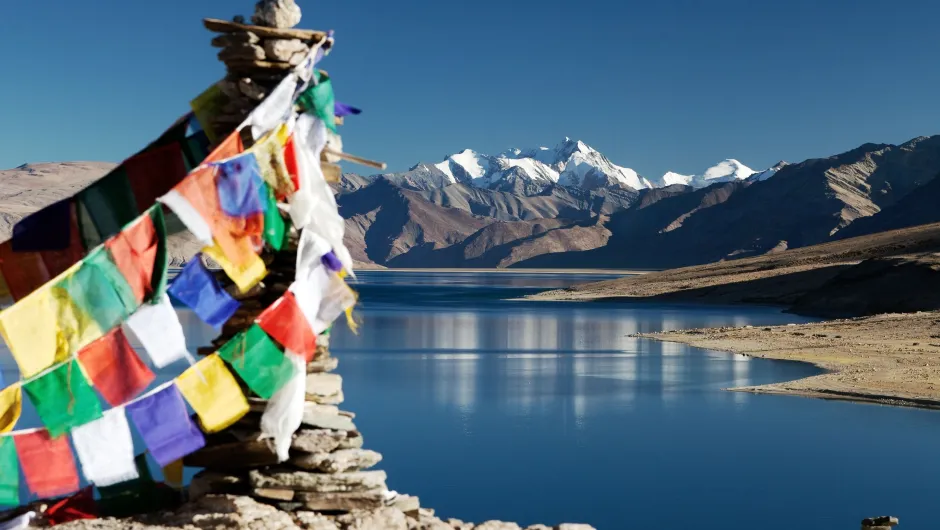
(885, 522)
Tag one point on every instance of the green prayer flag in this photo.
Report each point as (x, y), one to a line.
(258, 361)
(273, 222)
(161, 260)
(9, 473)
(99, 289)
(110, 203)
(320, 101)
(63, 398)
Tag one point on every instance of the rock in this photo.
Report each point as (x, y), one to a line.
(884, 520)
(328, 421)
(316, 408)
(497, 525)
(343, 502)
(407, 504)
(251, 89)
(425, 522)
(538, 527)
(338, 461)
(457, 524)
(247, 52)
(326, 364)
(235, 455)
(353, 441)
(314, 521)
(382, 519)
(323, 385)
(238, 38)
(284, 49)
(318, 440)
(276, 13)
(571, 526)
(229, 511)
(333, 399)
(207, 482)
(273, 494)
(230, 89)
(282, 478)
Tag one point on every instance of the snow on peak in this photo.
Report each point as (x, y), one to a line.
(725, 171)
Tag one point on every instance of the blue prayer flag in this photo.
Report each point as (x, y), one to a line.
(197, 289)
(239, 183)
(163, 423)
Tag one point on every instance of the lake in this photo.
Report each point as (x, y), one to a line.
(549, 412)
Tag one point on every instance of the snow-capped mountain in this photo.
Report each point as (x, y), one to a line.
(767, 173)
(571, 163)
(724, 171)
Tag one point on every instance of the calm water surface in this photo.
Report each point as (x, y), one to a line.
(549, 412)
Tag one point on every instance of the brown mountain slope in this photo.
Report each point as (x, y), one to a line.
(898, 270)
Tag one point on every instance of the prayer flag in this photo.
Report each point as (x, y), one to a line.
(274, 229)
(286, 323)
(163, 423)
(154, 172)
(173, 474)
(32, 333)
(63, 398)
(319, 100)
(290, 162)
(196, 287)
(227, 148)
(139, 252)
(59, 261)
(269, 152)
(98, 289)
(47, 229)
(342, 110)
(207, 106)
(284, 411)
(47, 464)
(158, 329)
(24, 272)
(73, 508)
(11, 406)
(9, 473)
(110, 203)
(275, 108)
(245, 277)
(105, 449)
(258, 361)
(188, 215)
(238, 180)
(114, 368)
(331, 261)
(213, 393)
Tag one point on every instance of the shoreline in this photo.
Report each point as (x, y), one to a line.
(889, 359)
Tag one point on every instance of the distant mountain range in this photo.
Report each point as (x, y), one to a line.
(569, 206)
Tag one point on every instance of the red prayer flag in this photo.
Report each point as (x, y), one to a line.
(114, 368)
(285, 322)
(155, 172)
(134, 250)
(82, 505)
(47, 464)
(58, 261)
(24, 271)
(290, 160)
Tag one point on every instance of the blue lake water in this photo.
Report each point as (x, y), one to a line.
(549, 412)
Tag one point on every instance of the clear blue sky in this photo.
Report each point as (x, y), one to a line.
(656, 85)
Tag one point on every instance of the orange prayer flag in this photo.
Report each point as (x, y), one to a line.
(134, 250)
(285, 322)
(228, 148)
(114, 368)
(47, 464)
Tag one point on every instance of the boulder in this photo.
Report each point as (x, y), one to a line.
(287, 479)
(208, 482)
(538, 527)
(497, 525)
(314, 521)
(247, 52)
(238, 38)
(332, 399)
(252, 90)
(571, 526)
(318, 440)
(235, 455)
(382, 519)
(284, 49)
(224, 511)
(342, 502)
(407, 504)
(457, 524)
(338, 461)
(276, 13)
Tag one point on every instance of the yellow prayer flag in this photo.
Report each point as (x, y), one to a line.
(173, 474)
(244, 277)
(213, 393)
(11, 405)
(30, 330)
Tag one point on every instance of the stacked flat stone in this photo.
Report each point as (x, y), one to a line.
(258, 56)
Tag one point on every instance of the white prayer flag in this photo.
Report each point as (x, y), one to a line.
(105, 449)
(158, 328)
(189, 216)
(285, 410)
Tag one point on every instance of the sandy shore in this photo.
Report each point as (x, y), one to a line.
(892, 359)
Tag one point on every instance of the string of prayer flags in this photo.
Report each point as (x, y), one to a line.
(158, 329)
(258, 361)
(47, 463)
(206, 107)
(274, 109)
(11, 406)
(244, 276)
(139, 252)
(99, 290)
(114, 368)
(284, 411)
(63, 398)
(197, 288)
(9, 472)
(73, 508)
(286, 323)
(213, 393)
(24, 272)
(290, 162)
(319, 100)
(105, 449)
(238, 181)
(165, 426)
(331, 261)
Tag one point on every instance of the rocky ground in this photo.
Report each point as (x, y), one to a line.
(231, 511)
(891, 358)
